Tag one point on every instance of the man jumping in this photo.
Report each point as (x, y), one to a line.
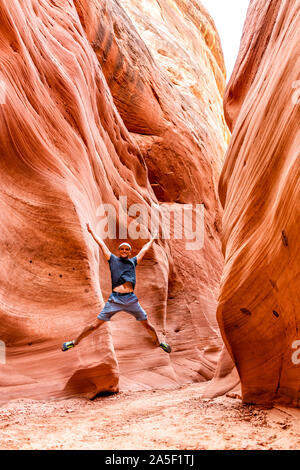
(123, 281)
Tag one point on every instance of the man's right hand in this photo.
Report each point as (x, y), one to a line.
(100, 242)
(155, 235)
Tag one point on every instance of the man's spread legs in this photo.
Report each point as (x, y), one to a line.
(151, 330)
(88, 330)
(85, 332)
(109, 309)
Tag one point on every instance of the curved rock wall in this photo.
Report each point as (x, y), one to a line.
(91, 115)
(258, 310)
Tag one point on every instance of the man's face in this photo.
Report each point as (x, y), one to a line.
(124, 251)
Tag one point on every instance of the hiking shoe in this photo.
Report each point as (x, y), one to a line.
(67, 345)
(166, 347)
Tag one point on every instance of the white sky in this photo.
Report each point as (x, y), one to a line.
(229, 17)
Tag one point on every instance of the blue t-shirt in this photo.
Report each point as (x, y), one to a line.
(122, 270)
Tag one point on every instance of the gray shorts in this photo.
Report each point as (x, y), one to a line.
(122, 302)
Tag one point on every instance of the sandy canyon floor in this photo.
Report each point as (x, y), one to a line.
(160, 419)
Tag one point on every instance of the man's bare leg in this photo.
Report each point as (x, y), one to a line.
(85, 332)
(88, 330)
(151, 330)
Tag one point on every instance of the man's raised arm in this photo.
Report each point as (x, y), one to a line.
(145, 248)
(100, 242)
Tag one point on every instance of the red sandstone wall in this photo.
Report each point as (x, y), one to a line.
(258, 310)
(91, 115)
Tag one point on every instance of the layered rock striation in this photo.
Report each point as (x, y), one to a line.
(91, 114)
(258, 309)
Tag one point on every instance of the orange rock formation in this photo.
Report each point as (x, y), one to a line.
(258, 310)
(92, 114)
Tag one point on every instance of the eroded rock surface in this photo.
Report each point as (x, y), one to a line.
(91, 114)
(258, 310)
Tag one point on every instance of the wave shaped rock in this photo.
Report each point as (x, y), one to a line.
(258, 310)
(88, 115)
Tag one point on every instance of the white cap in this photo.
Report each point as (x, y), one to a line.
(127, 244)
